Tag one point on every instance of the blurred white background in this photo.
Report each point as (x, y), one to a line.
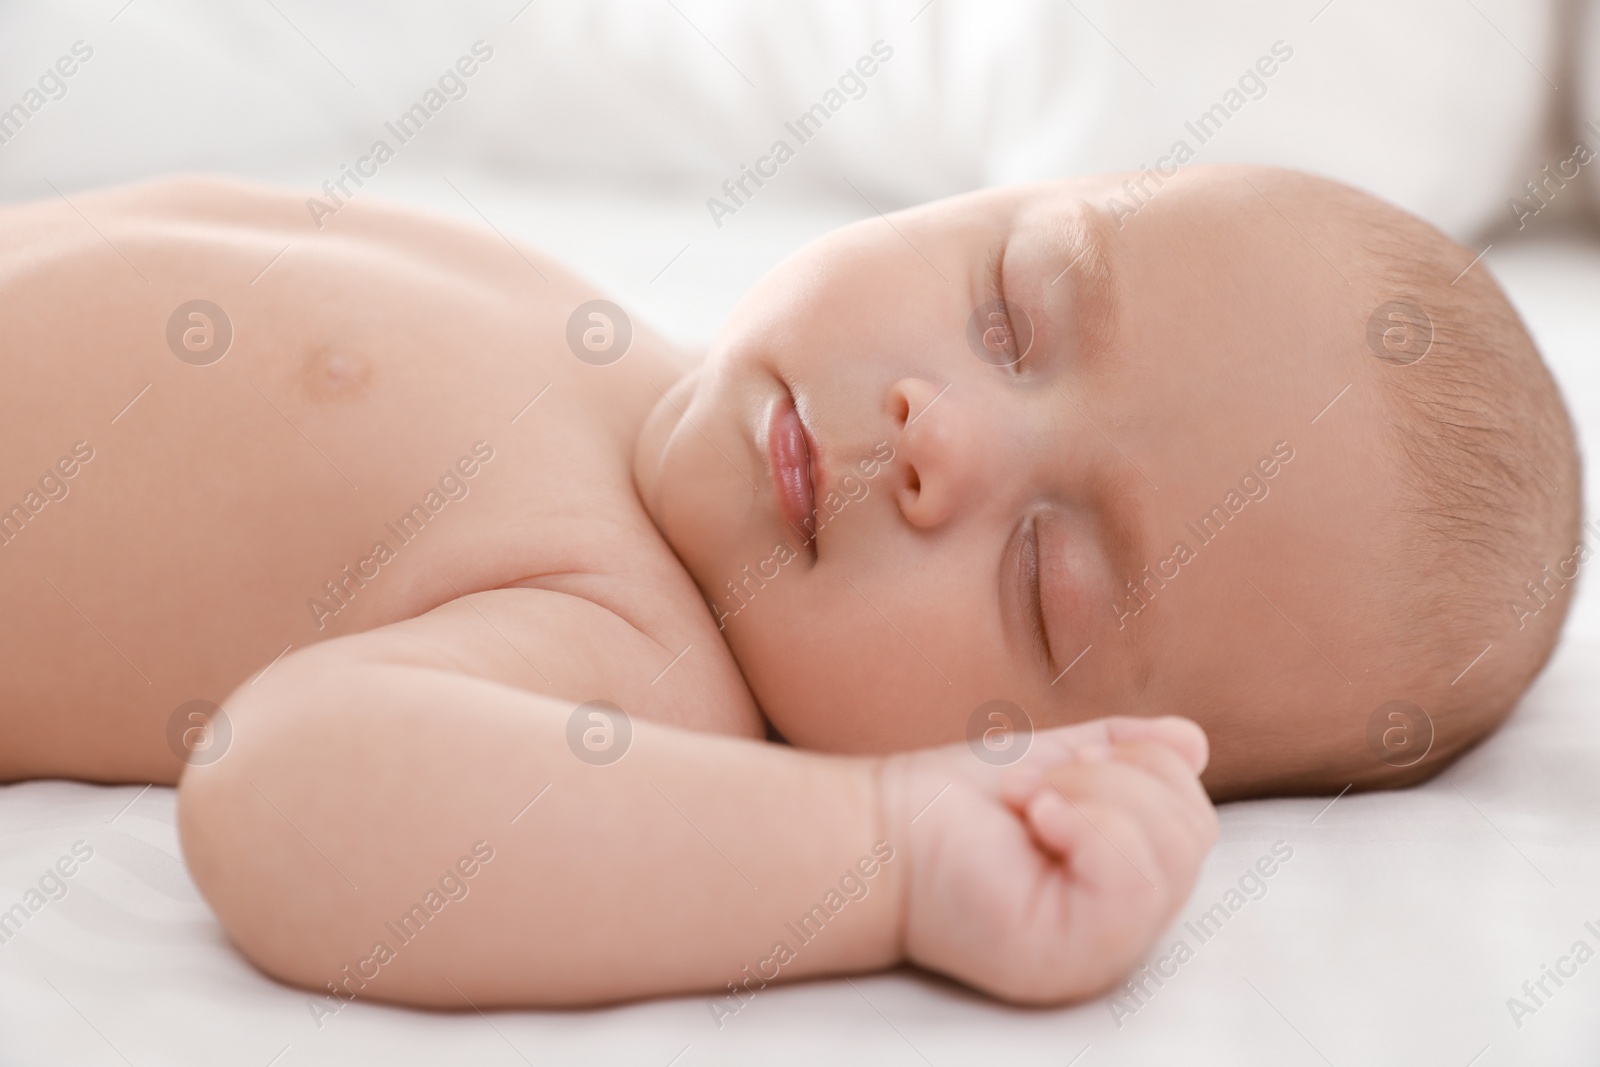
(622, 117)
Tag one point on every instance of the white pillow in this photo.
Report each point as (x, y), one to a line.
(1436, 104)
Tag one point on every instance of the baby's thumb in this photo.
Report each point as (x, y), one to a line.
(1182, 735)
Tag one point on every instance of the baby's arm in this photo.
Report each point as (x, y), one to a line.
(354, 784)
(351, 788)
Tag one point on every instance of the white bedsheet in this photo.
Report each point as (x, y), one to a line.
(1394, 935)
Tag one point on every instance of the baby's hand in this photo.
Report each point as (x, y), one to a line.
(1047, 880)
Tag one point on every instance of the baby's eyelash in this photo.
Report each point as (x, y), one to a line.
(1041, 633)
(997, 286)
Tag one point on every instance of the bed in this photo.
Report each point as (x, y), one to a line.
(1413, 927)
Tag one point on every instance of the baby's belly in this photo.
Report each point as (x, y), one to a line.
(217, 444)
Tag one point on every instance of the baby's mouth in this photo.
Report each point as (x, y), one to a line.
(790, 455)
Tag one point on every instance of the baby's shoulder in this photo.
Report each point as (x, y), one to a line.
(568, 636)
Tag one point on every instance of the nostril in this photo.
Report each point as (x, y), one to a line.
(902, 409)
(913, 483)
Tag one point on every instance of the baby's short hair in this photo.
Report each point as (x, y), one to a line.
(1491, 485)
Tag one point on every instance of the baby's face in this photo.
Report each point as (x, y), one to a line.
(986, 479)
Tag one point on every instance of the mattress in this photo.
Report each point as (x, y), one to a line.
(1395, 928)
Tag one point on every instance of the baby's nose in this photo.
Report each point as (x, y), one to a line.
(941, 450)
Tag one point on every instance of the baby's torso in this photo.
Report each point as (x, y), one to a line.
(227, 433)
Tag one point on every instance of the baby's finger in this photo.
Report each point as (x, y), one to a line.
(1165, 822)
(1183, 736)
(1052, 747)
(1168, 767)
(1186, 823)
(1102, 844)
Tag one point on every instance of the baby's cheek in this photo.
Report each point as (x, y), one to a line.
(811, 690)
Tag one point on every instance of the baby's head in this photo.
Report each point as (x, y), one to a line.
(1249, 447)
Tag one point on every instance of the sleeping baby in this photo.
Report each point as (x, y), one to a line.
(470, 610)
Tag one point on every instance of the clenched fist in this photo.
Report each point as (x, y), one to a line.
(1045, 881)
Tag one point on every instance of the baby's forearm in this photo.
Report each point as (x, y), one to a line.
(353, 791)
